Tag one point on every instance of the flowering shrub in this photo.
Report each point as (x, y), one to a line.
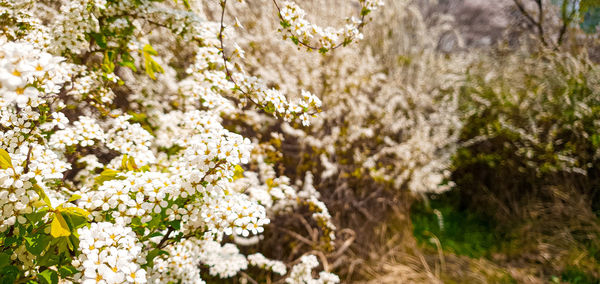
(116, 161)
(388, 125)
(390, 108)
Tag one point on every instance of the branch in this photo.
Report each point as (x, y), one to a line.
(229, 76)
(28, 160)
(227, 71)
(566, 19)
(530, 18)
(165, 238)
(541, 21)
(248, 277)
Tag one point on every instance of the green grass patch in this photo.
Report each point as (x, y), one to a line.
(460, 232)
(575, 275)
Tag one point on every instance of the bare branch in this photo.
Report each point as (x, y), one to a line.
(537, 24)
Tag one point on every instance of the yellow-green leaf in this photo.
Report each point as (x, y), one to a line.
(238, 172)
(5, 161)
(75, 211)
(131, 164)
(59, 226)
(74, 197)
(149, 50)
(106, 175)
(150, 65)
(42, 195)
(124, 162)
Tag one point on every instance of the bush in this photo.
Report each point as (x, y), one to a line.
(529, 155)
(530, 126)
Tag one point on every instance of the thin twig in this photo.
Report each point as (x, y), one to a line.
(165, 238)
(530, 18)
(248, 277)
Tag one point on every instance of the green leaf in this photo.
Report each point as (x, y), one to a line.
(59, 227)
(285, 24)
(295, 40)
(175, 224)
(9, 241)
(107, 64)
(365, 12)
(124, 162)
(8, 274)
(37, 216)
(155, 234)
(76, 219)
(595, 139)
(155, 221)
(5, 160)
(131, 164)
(128, 163)
(49, 259)
(4, 259)
(149, 63)
(100, 39)
(37, 244)
(70, 243)
(153, 254)
(48, 276)
(129, 64)
(67, 270)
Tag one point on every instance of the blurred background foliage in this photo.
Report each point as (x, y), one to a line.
(527, 194)
(460, 142)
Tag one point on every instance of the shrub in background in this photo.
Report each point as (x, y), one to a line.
(529, 155)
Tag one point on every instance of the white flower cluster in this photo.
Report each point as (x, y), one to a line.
(223, 261)
(131, 139)
(278, 196)
(233, 214)
(205, 84)
(276, 102)
(77, 18)
(301, 30)
(28, 76)
(302, 273)
(110, 254)
(17, 196)
(84, 132)
(181, 265)
(136, 195)
(310, 195)
(90, 85)
(274, 192)
(261, 261)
